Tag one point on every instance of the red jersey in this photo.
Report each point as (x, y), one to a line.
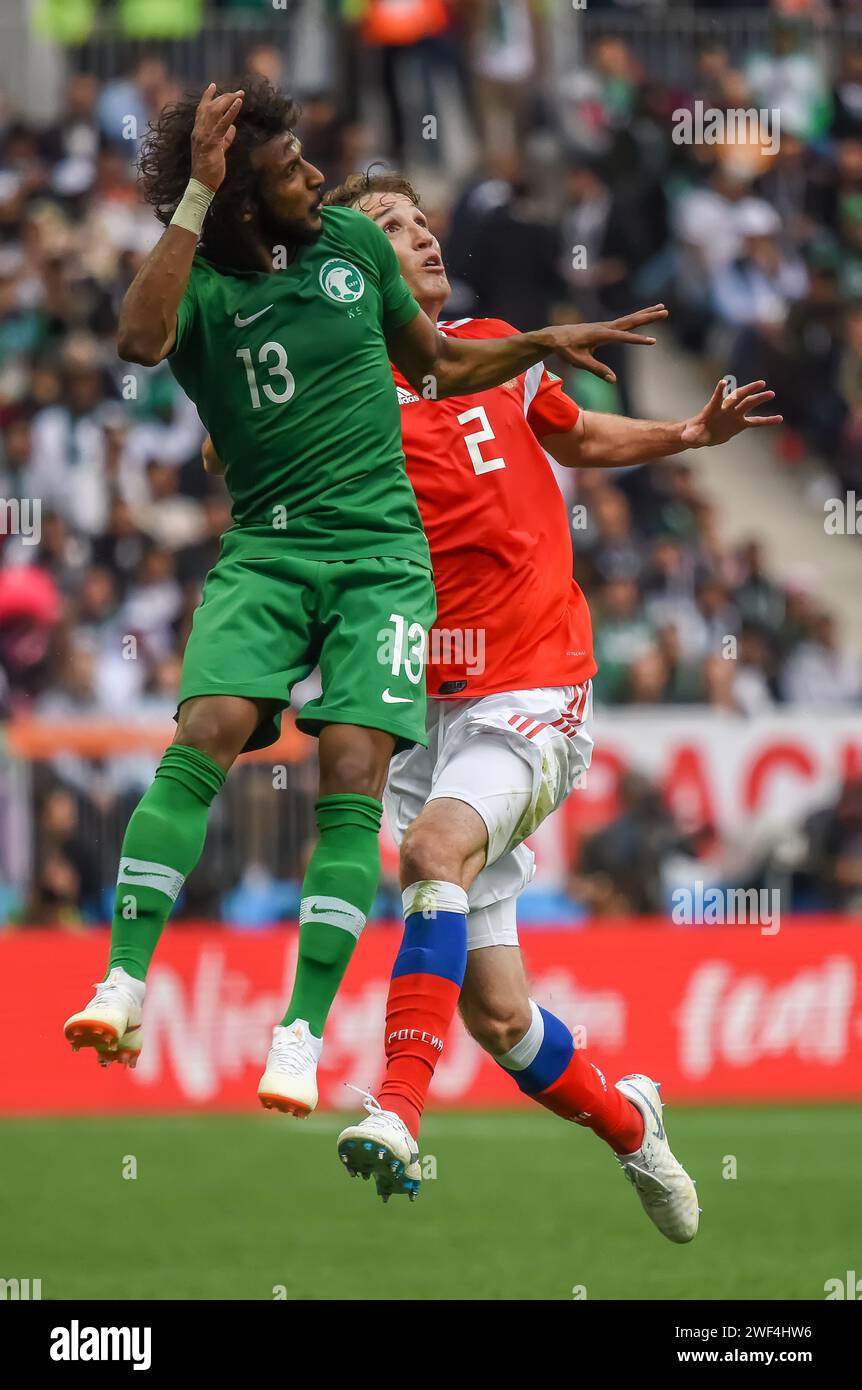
(509, 614)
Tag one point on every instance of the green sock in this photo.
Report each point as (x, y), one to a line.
(337, 892)
(162, 844)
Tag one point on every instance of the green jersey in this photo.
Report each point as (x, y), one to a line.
(290, 374)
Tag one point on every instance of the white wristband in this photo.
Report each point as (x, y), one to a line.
(193, 207)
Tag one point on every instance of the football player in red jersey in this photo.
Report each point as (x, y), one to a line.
(509, 683)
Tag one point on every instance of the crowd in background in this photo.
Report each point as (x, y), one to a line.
(575, 200)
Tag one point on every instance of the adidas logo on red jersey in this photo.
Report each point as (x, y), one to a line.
(405, 396)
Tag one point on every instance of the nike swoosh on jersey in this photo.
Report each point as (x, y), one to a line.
(395, 699)
(148, 873)
(242, 323)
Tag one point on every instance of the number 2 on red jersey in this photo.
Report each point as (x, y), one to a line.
(481, 436)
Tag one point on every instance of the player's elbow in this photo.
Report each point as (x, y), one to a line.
(131, 348)
(143, 339)
(127, 352)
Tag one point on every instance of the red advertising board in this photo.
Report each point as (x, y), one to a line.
(716, 1013)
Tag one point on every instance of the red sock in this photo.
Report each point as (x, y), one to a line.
(582, 1094)
(423, 994)
(419, 1010)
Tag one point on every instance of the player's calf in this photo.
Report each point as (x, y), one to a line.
(547, 1066)
(423, 994)
(497, 1026)
(436, 863)
(337, 892)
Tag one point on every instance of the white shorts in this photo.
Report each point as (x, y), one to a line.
(513, 757)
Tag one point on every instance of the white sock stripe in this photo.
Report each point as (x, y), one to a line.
(336, 912)
(524, 1052)
(431, 895)
(142, 873)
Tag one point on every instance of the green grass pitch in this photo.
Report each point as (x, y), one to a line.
(524, 1206)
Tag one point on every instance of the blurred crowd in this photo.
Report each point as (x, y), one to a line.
(554, 192)
(635, 863)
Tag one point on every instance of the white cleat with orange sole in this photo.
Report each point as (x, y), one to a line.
(667, 1193)
(289, 1082)
(112, 1021)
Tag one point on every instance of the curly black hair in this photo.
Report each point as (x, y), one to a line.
(165, 161)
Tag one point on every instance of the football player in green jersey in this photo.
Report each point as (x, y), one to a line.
(279, 319)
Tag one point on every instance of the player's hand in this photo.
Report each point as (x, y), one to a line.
(213, 134)
(726, 415)
(576, 343)
(212, 462)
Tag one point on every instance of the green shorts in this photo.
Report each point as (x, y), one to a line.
(268, 619)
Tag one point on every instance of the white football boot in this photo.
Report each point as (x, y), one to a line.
(111, 1022)
(666, 1191)
(381, 1146)
(289, 1082)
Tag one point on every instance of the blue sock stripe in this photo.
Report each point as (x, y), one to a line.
(434, 946)
(552, 1058)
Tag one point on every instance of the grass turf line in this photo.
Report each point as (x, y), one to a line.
(524, 1207)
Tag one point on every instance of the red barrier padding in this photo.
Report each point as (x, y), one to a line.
(715, 1013)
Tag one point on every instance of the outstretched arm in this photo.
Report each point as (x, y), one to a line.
(612, 441)
(148, 315)
(439, 366)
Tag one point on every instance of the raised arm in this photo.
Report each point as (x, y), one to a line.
(439, 366)
(612, 441)
(148, 315)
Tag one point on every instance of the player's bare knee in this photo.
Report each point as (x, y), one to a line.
(423, 856)
(211, 730)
